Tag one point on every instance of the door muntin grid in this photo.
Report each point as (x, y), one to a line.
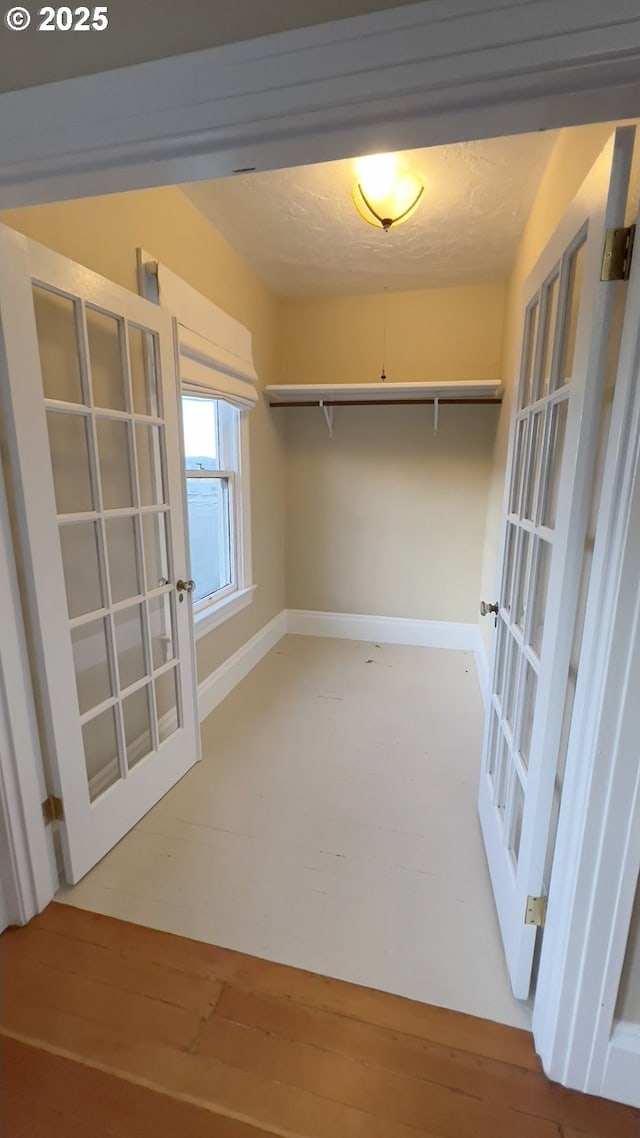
(110, 477)
(538, 449)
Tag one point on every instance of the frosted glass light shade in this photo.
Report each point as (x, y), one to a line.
(386, 191)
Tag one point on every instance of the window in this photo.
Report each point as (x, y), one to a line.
(213, 473)
(219, 388)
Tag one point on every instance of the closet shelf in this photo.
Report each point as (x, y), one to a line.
(330, 395)
(352, 394)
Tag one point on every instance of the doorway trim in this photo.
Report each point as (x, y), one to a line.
(418, 75)
(29, 878)
(425, 74)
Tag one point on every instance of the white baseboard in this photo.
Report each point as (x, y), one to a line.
(215, 687)
(344, 626)
(621, 1080)
(384, 629)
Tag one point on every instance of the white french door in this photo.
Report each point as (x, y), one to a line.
(90, 396)
(567, 323)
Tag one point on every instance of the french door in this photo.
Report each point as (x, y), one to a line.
(567, 324)
(90, 397)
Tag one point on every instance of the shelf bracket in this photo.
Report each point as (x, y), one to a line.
(436, 415)
(328, 414)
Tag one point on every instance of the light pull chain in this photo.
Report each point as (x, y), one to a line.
(383, 373)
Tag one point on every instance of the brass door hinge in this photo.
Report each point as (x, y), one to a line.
(52, 809)
(535, 911)
(618, 251)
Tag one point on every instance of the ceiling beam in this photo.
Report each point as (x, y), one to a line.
(425, 74)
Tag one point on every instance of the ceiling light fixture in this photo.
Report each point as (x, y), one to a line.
(386, 192)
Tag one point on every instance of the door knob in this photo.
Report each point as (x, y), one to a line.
(485, 609)
(184, 587)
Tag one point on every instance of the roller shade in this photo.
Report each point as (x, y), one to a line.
(206, 368)
(215, 350)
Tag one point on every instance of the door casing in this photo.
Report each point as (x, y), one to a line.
(508, 70)
(418, 75)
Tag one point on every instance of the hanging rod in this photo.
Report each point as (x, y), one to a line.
(376, 402)
(327, 405)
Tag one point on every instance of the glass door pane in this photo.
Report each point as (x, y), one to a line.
(574, 293)
(57, 325)
(105, 355)
(553, 470)
(108, 470)
(529, 355)
(551, 292)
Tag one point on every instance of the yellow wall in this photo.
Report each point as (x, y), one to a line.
(103, 234)
(435, 334)
(385, 518)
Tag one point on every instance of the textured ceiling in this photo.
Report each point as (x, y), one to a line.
(300, 231)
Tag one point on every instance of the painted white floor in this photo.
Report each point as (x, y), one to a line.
(332, 826)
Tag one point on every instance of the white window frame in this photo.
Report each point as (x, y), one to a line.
(215, 362)
(214, 609)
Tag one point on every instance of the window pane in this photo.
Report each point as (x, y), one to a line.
(201, 442)
(521, 580)
(115, 468)
(509, 682)
(105, 354)
(532, 477)
(571, 317)
(149, 450)
(137, 726)
(70, 462)
(551, 311)
(161, 624)
(501, 776)
(528, 711)
(101, 753)
(130, 645)
(80, 561)
(554, 465)
(122, 548)
(228, 432)
(209, 534)
(144, 377)
(517, 812)
(154, 534)
(501, 658)
(507, 571)
(492, 746)
(528, 357)
(519, 461)
(543, 556)
(167, 703)
(91, 661)
(58, 346)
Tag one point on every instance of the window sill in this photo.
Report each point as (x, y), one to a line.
(205, 621)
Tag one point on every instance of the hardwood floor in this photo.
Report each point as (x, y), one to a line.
(49, 1096)
(114, 1029)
